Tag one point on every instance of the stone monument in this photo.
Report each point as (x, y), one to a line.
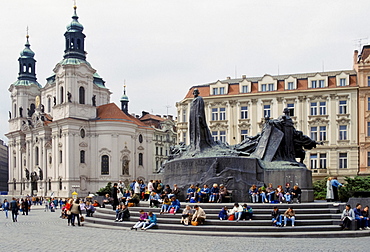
(268, 157)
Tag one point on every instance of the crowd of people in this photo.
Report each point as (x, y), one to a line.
(275, 195)
(361, 215)
(195, 194)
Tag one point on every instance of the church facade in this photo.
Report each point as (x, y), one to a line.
(67, 136)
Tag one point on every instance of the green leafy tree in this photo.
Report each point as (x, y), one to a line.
(105, 190)
(353, 185)
(319, 189)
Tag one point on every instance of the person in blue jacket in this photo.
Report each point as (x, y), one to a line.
(175, 203)
(6, 207)
(335, 184)
(204, 194)
(359, 217)
(152, 221)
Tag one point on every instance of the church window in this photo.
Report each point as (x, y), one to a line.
(60, 156)
(37, 155)
(78, 43)
(60, 184)
(105, 165)
(49, 105)
(15, 111)
(24, 68)
(141, 138)
(82, 133)
(61, 95)
(140, 158)
(49, 182)
(29, 68)
(82, 157)
(67, 44)
(81, 95)
(72, 43)
(14, 184)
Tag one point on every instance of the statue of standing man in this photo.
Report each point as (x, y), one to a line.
(200, 136)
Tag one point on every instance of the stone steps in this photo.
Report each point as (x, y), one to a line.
(313, 220)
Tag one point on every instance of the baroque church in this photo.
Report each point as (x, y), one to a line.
(67, 135)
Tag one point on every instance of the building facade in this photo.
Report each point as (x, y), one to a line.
(323, 105)
(67, 136)
(164, 137)
(4, 169)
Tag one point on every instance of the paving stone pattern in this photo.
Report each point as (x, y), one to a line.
(45, 231)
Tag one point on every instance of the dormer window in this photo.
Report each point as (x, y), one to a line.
(267, 84)
(342, 79)
(318, 81)
(219, 88)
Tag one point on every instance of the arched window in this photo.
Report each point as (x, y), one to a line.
(49, 183)
(72, 43)
(67, 44)
(78, 43)
(82, 133)
(60, 184)
(60, 157)
(15, 111)
(29, 68)
(24, 68)
(105, 165)
(82, 157)
(81, 94)
(14, 184)
(61, 95)
(140, 158)
(49, 105)
(37, 155)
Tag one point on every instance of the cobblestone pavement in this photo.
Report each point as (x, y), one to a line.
(45, 231)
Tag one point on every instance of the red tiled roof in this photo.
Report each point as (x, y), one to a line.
(151, 117)
(110, 112)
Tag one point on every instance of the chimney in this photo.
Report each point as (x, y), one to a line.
(228, 77)
(137, 116)
(143, 113)
(164, 116)
(244, 76)
(355, 60)
(170, 117)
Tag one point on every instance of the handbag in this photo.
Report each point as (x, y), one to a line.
(82, 219)
(194, 223)
(231, 217)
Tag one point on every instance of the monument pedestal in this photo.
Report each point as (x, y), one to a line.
(237, 174)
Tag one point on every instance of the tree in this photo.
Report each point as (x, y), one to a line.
(105, 190)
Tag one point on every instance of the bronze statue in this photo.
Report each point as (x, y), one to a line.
(200, 136)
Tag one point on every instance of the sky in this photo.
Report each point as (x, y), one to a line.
(160, 48)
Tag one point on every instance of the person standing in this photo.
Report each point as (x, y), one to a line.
(115, 196)
(76, 212)
(5, 206)
(121, 186)
(335, 183)
(14, 206)
(329, 190)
